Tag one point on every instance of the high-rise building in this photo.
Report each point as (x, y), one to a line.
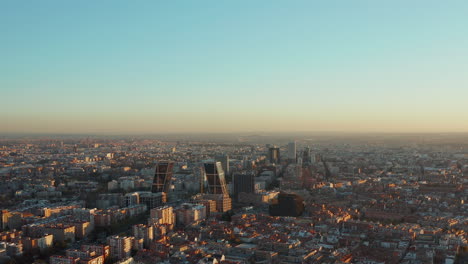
(131, 199)
(245, 162)
(11, 220)
(210, 205)
(120, 247)
(289, 204)
(217, 189)
(152, 200)
(144, 232)
(224, 159)
(292, 151)
(306, 155)
(189, 213)
(274, 155)
(243, 182)
(162, 215)
(299, 161)
(292, 177)
(162, 177)
(215, 178)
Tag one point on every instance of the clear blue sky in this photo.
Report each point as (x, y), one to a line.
(112, 66)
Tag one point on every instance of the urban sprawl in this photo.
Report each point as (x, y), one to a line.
(139, 200)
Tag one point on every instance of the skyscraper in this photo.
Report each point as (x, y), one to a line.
(162, 177)
(292, 151)
(274, 155)
(217, 190)
(224, 159)
(215, 177)
(306, 155)
(243, 183)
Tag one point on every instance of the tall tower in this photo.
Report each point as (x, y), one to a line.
(292, 151)
(306, 155)
(224, 159)
(215, 177)
(273, 155)
(162, 177)
(243, 183)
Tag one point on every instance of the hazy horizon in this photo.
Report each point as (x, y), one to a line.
(115, 67)
(242, 133)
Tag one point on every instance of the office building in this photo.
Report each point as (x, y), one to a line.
(274, 155)
(162, 177)
(215, 176)
(131, 199)
(306, 158)
(152, 200)
(243, 182)
(292, 151)
(224, 159)
(217, 189)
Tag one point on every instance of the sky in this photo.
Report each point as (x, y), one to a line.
(113, 66)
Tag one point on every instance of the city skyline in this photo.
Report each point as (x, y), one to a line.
(163, 67)
(78, 200)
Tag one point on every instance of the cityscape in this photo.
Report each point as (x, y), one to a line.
(233, 132)
(143, 200)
